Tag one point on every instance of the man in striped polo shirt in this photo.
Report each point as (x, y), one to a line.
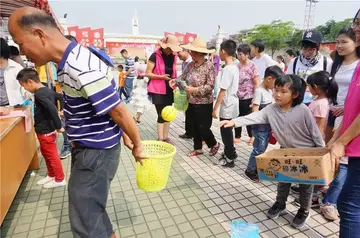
(95, 118)
(129, 68)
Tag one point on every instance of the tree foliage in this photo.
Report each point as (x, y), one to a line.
(330, 29)
(274, 35)
(279, 34)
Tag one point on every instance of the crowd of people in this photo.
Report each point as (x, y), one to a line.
(317, 104)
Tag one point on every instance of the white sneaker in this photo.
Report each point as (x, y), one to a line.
(54, 184)
(45, 180)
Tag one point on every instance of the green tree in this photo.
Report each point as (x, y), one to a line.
(295, 38)
(330, 29)
(275, 35)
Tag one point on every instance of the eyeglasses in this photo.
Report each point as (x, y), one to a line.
(308, 48)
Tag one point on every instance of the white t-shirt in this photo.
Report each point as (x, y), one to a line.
(262, 63)
(262, 96)
(229, 81)
(304, 72)
(343, 78)
(282, 66)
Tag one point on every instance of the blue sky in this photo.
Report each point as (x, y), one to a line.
(201, 17)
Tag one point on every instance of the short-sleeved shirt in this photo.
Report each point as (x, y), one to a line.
(168, 98)
(129, 64)
(89, 91)
(121, 79)
(262, 97)
(229, 81)
(320, 108)
(343, 79)
(262, 63)
(351, 112)
(246, 80)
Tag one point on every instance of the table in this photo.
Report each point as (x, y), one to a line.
(18, 154)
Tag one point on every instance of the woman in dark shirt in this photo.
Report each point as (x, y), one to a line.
(160, 91)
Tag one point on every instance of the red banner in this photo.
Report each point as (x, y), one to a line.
(74, 31)
(97, 36)
(181, 37)
(190, 37)
(142, 50)
(166, 34)
(84, 37)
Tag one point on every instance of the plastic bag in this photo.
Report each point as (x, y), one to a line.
(180, 100)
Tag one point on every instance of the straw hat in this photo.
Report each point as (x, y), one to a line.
(171, 42)
(198, 45)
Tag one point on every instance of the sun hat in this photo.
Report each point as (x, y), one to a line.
(171, 42)
(198, 45)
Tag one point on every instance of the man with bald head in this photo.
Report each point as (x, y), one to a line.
(95, 117)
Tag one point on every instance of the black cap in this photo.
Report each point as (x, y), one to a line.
(312, 36)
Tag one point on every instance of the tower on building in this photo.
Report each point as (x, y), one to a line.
(135, 24)
(309, 14)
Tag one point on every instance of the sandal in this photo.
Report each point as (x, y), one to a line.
(195, 153)
(214, 149)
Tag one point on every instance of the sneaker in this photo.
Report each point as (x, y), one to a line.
(252, 175)
(137, 123)
(276, 210)
(315, 203)
(225, 162)
(54, 184)
(45, 180)
(185, 136)
(295, 189)
(300, 218)
(330, 212)
(64, 154)
(214, 149)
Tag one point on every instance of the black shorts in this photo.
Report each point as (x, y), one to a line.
(159, 108)
(331, 119)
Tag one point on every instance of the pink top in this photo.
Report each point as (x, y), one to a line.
(351, 111)
(320, 107)
(246, 80)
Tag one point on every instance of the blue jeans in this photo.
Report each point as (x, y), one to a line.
(66, 143)
(336, 185)
(129, 86)
(92, 171)
(259, 146)
(349, 201)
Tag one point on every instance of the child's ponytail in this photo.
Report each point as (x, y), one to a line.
(332, 91)
(326, 83)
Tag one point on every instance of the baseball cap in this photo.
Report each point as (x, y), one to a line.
(312, 36)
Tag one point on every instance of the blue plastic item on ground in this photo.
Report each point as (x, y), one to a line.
(241, 229)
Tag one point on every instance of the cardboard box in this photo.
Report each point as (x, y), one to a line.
(297, 165)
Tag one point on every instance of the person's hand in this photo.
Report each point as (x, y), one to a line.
(61, 130)
(127, 142)
(227, 124)
(172, 83)
(337, 150)
(338, 112)
(138, 153)
(214, 114)
(4, 111)
(61, 113)
(166, 77)
(190, 89)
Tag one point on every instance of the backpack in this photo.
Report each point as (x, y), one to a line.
(297, 58)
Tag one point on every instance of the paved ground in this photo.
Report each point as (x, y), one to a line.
(201, 200)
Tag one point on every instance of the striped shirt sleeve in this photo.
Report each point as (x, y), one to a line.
(99, 91)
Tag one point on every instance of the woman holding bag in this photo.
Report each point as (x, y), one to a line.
(161, 68)
(200, 79)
